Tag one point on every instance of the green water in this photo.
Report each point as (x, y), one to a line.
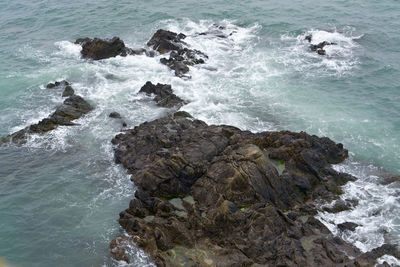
(60, 194)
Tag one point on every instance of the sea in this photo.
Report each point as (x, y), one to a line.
(61, 192)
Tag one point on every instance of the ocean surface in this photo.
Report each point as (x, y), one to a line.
(61, 193)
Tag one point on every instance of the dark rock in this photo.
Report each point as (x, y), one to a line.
(73, 108)
(165, 41)
(308, 38)
(115, 115)
(182, 114)
(213, 195)
(347, 226)
(57, 84)
(103, 48)
(180, 57)
(339, 206)
(319, 47)
(50, 85)
(68, 91)
(163, 94)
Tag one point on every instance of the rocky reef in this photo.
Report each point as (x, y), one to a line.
(218, 196)
(72, 108)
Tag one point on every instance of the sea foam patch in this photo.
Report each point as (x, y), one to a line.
(376, 213)
(341, 53)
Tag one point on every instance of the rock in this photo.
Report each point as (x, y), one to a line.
(347, 226)
(319, 47)
(73, 108)
(115, 115)
(339, 206)
(117, 248)
(165, 41)
(164, 97)
(180, 57)
(56, 84)
(211, 195)
(308, 38)
(68, 91)
(97, 49)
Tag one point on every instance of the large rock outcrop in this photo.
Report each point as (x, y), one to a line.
(219, 196)
(72, 108)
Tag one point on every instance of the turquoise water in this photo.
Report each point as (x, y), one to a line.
(60, 194)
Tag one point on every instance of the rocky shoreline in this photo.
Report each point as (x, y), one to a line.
(219, 196)
(216, 195)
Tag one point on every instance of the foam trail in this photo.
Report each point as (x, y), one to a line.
(377, 211)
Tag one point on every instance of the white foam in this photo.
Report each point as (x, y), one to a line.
(68, 49)
(392, 261)
(340, 58)
(376, 213)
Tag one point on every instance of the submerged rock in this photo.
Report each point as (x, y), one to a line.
(104, 48)
(73, 108)
(213, 196)
(347, 226)
(164, 97)
(319, 47)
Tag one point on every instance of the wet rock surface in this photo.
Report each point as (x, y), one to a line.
(219, 196)
(68, 91)
(319, 48)
(347, 226)
(97, 48)
(180, 57)
(115, 115)
(62, 83)
(73, 108)
(164, 97)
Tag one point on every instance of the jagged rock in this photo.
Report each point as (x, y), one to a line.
(165, 41)
(56, 84)
(180, 57)
(319, 47)
(308, 38)
(73, 108)
(103, 48)
(115, 115)
(68, 91)
(180, 60)
(214, 195)
(347, 226)
(164, 97)
(339, 206)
